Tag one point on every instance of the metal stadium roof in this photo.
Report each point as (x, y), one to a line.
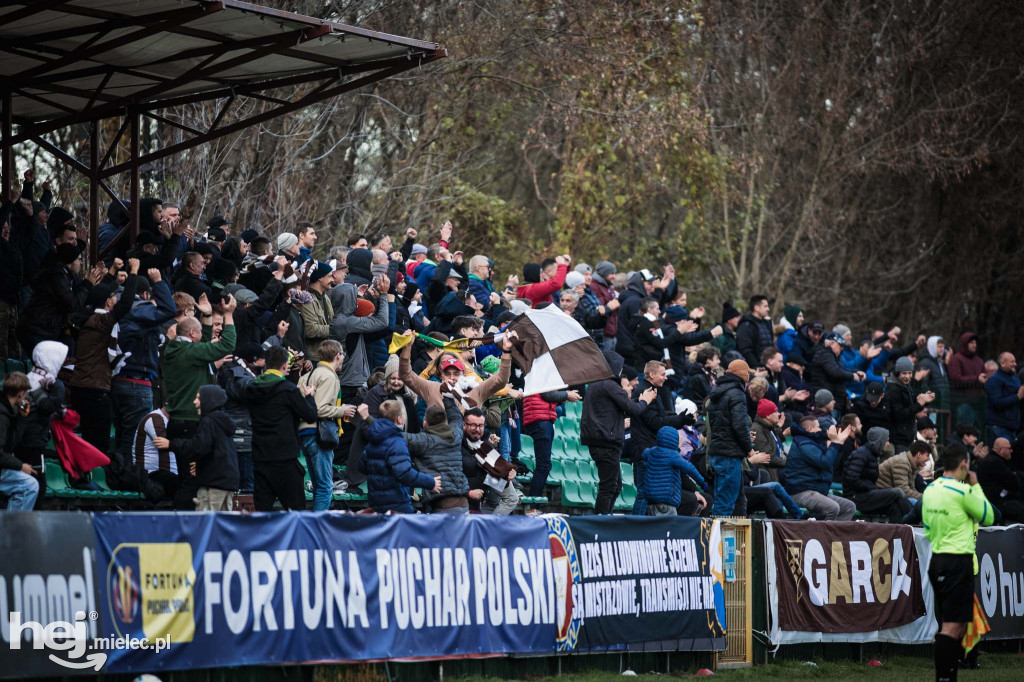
(68, 62)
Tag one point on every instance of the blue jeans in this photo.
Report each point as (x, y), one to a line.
(321, 471)
(783, 497)
(245, 472)
(543, 435)
(728, 476)
(20, 489)
(505, 447)
(640, 504)
(129, 403)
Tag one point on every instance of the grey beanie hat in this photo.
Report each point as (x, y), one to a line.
(286, 240)
(823, 397)
(605, 268)
(842, 330)
(904, 364)
(583, 268)
(878, 436)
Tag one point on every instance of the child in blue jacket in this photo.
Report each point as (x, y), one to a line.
(667, 474)
(386, 462)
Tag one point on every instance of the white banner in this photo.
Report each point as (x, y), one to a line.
(921, 631)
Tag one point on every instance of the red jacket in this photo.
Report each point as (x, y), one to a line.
(542, 291)
(964, 369)
(536, 409)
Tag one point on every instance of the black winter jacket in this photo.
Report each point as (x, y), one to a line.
(825, 371)
(872, 416)
(10, 424)
(860, 473)
(605, 407)
(752, 337)
(629, 308)
(643, 431)
(903, 409)
(727, 419)
(277, 407)
(234, 378)
(55, 295)
(213, 447)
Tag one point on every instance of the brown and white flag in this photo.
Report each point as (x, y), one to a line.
(554, 351)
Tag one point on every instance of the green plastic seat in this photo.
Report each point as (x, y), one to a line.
(628, 495)
(587, 471)
(57, 480)
(528, 461)
(525, 446)
(559, 472)
(559, 450)
(533, 500)
(571, 496)
(588, 492)
(626, 469)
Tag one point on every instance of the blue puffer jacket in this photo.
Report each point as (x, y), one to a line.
(785, 342)
(667, 473)
(388, 468)
(809, 465)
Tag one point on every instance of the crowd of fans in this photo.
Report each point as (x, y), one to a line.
(218, 358)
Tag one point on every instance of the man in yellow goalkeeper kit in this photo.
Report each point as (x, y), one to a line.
(952, 507)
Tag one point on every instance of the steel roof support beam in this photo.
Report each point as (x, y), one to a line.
(305, 101)
(89, 50)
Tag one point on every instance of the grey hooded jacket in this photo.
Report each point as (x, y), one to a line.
(348, 330)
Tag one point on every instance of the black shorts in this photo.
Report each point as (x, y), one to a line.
(952, 577)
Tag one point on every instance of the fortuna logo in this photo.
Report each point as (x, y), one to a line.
(61, 636)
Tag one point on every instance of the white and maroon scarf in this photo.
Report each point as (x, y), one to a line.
(489, 459)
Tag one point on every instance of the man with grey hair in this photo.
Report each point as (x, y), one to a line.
(480, 284)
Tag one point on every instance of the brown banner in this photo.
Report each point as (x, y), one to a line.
(846, 576)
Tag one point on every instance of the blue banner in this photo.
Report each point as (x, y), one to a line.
(230, 590)
(649, 584)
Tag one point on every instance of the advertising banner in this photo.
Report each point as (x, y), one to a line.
(1000, 580)
(229, 590)
(846, 577)
(654, 579)
(46, 580)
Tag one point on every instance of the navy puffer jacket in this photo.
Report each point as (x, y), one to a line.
(810, 464)
(388, 468)
(667, 472)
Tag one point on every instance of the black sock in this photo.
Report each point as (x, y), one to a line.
(948, 653)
